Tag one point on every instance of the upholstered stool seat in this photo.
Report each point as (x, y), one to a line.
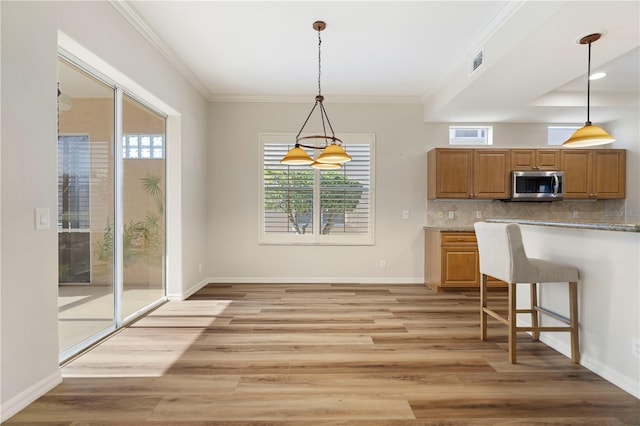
(502, 256)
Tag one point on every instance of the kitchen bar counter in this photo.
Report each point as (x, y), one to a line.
(601, 226)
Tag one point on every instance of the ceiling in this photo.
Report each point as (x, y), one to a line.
(416, 51)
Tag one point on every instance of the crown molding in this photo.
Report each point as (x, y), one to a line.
(156, 41)
(337, 99)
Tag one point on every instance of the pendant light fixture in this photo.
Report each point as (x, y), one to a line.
(332, 152)
(589, 135)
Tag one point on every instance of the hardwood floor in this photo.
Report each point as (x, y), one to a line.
(310, 354)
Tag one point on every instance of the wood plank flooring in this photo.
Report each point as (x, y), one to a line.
(311, 354)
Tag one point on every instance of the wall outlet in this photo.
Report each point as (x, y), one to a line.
(575, 214)
(478, 214)
(450, 214)
(383, 264)
(200, 267)
(440, 215)
(636, 348)
(405, 214)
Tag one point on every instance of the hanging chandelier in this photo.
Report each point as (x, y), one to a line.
(333, 155)
(589, 135)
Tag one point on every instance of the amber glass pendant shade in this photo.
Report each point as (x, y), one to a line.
(296, 157)
(334, 154)
(325, 166)
(589, 135)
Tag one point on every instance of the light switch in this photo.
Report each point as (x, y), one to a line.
(42, 218)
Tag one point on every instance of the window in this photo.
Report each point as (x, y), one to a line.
(470, 135)
(301, 205)
(556, 135)
(143, 146)
(73, 182)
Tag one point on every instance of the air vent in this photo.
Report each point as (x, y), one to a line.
(477, 61)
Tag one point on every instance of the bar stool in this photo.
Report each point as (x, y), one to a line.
(502, 256)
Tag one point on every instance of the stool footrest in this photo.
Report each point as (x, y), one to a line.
(543, 329)
(553, 314)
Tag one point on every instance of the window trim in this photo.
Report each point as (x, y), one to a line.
(289, 239)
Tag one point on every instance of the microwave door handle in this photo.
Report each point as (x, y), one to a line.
(556, 186)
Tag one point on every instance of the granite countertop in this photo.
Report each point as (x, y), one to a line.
(602, 226)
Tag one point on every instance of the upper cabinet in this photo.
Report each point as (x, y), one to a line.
(468, 173)
(485, 173)
(594, 173)
(535, 159)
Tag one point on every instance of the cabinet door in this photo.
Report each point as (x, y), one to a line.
(460, 267)
(609, 170)
(547, 159)
(491, 170)
(577, 173)
(453, 173)
(523, 159)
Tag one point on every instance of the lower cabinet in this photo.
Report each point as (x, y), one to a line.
(451, 261)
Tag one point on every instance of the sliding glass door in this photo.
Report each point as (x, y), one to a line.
(143, 177)
(111, 197)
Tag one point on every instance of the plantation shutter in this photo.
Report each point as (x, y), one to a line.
(288, 193)
(345, 194)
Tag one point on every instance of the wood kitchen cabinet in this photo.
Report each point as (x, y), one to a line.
(468, 173)
(451, 261)
(594, 173)
(535, 159)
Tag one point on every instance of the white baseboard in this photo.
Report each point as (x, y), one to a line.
(625, 383)
(314, 280)
(176, 297)
(27, 396)
(614, 377)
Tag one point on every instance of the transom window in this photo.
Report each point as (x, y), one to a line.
(301, 205)
(470, 135)
(143, 146)
(556, 135)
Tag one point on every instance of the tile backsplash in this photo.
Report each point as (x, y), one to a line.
(465, 212)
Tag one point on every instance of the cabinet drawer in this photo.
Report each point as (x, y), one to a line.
(458, 238)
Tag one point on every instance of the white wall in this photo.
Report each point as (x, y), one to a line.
(627, 134)
(234, 184)
(402, 139)
(28, 315)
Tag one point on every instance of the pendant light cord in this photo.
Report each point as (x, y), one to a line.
(588, 123)
(323, 113)
(319, 63)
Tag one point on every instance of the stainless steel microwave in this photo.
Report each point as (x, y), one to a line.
(537, 186)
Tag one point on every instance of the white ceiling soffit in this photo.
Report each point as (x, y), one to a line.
(413, 51)
(535, 70)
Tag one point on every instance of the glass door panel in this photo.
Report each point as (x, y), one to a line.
(86, 309)
(143, 200)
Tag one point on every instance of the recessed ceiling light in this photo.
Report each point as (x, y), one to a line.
(598, 75)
